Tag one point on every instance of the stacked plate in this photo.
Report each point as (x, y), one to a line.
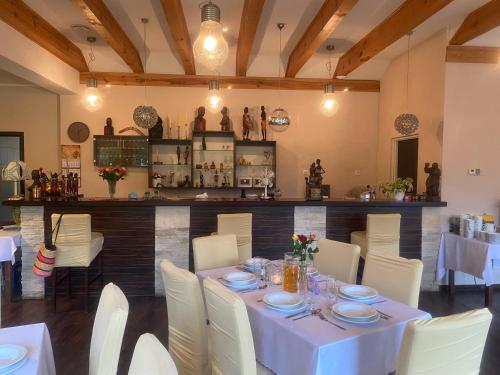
(254, 265)
(239, 280)
(12, 357)
(284, 302)
(360, 293)
(355, 312)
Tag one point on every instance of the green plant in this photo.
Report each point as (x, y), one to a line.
(399, 185)
(304, 246)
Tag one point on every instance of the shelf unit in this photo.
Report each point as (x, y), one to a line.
(163, 160)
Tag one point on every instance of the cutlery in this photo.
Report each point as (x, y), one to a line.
(297, 314)
(253, 289)
(314, 312)
(383, 315)
(373, 303)
(325, 319)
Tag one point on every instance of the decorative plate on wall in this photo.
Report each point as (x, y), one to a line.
(78, 132)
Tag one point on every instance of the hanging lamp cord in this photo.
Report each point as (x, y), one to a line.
(91, 58)
(145, 60)
(329, 64)
(408, 74)
(279, 66)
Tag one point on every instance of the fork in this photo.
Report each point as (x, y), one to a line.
(383, 315)
(324, 318)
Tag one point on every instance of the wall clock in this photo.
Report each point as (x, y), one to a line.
(78, 132)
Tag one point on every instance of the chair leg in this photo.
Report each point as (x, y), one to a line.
(69, 283)
(86, 289)
(54, 286)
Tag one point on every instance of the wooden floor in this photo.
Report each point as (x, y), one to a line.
(71, 331)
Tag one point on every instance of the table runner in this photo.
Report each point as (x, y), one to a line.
(312, 346)
(9, 242)
(36, 338)
(466, 255)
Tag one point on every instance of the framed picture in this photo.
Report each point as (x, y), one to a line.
(245, 182)
(257, 182)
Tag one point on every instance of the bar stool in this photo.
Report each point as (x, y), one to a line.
(382, 234)
(241, 226)
(77, 247)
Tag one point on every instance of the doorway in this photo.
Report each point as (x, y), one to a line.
(405, 154)
(11, 148)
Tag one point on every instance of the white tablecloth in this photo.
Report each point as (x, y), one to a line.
(9, 242)
(312, 346)
(36, 338)
(466, 255)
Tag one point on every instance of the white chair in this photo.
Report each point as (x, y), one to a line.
(107, 333)
(77, 247)
(382, 234)
(394, 277)
(150, 357)
(241, 226)
(450, 345)
(187, 324)
(215, 252)
(232, 350)
(338, 259)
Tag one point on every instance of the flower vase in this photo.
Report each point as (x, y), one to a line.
(111, 189)
(302, 280)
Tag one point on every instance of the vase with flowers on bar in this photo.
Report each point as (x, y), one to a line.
(112, 175)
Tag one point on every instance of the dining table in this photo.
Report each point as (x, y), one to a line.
(36, 339)
(318, 347)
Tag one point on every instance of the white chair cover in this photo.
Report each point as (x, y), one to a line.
(382, 234)
(394, 277)
(450, 345)
(241, 226)
(230, 333)
(76, 245)
(107, 333)
(187, 325)
(338, 259)
(215, 252)
(150, 357)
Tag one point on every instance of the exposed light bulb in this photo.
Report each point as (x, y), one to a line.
(209, 43)
(214, 99)
(92, 98)
(329, 105)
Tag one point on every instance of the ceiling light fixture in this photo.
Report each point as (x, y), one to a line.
(407, 123)
(213, 101)
(279, 120)
(210, 48)
(92, 98)
(145, 116)
(329, 106)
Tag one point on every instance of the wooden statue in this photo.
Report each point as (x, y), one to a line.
(156, 131)
(315, 181)
(225, 123)
(433, 182)
(186, 155)
(108, 129)
(247, 124)
(263, 122)
(200, 124)
(178, 151)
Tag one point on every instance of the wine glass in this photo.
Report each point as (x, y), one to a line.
(331, 289)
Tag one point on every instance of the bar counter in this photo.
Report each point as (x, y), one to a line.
(138, 234)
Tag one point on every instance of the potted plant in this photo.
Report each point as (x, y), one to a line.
(398, 188)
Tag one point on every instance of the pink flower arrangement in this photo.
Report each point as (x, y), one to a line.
(304, 246)
(112, 173)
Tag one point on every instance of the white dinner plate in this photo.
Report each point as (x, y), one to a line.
(352, 321)
(358, 292)
(10, 355)
(283, 300)
(12, 369)
(295, 310)
(239, 278)
(354, 311)
(240, 287)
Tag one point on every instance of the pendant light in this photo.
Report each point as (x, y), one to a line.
(329, 106)
(145, 116)
(213, 101)
(210, 48)
(92, 99)
(407, 123)
(279, 120)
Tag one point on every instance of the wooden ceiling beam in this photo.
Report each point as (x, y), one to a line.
(473, 54)
(322, 26)
(179, 80)
(403, 20)
(100, 17)
(26, 21)
(178, 28)
(478, 22)
(250, 17)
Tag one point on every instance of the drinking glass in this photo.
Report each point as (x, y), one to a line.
(331, 289)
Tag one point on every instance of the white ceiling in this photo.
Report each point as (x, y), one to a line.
(297, 14)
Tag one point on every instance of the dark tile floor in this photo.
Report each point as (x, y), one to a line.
(70, 331)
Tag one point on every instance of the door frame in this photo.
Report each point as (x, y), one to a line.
(19, 135)
(394, 158)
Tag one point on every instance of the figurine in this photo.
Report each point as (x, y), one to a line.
(202, 184)
(314, 181)
(216, 179)
(108, 129)
(186, 155)
(178, 155)
(263, 122)
(156, 131)
(225, 123)
(433, 182)
(212, 166)
(247, 124)
(171, 176)
(200, 124)
(221, 167)
(203, 143)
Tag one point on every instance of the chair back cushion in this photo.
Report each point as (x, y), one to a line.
(450, 345)
(241, 226)
(382, 233)
(75, 228)
(215, 252)
(232, 350)
(394, 277)
(338, 259)
(187, 325)
(107, 333)
(150, 357)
